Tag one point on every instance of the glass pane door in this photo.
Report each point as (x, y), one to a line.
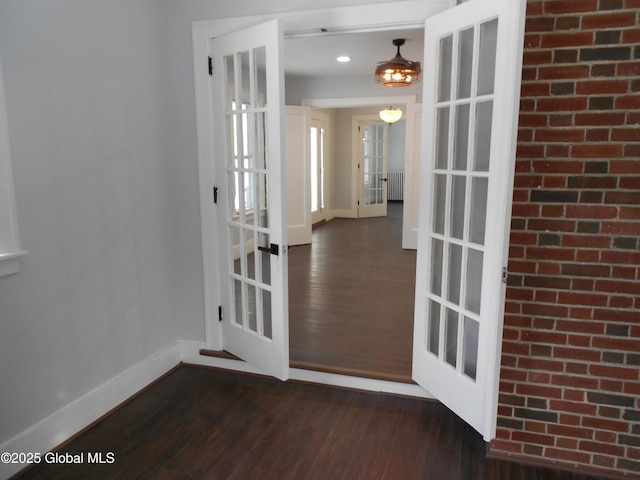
(250, 198)
(465, 203)
(373, 169)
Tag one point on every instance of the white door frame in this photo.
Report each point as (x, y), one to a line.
(406, 101)
(362, 18)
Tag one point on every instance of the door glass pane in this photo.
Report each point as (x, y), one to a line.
(487, 64)
(482, 146)
(436, 266)
(451, 337)
(234, 238)
(260, 138)
(373, 148)
(245, 78)
(266, 312)
(446, 49)
(465, 62)
(474, 280)
(455, 270)
(265, 260)
(458, 207)
(239, 302)
(439, 202)
(250, 255)
(479, 192)
(442, 140)
(433, 342)
(261, 200)
(470, 341)
(252, 315)
(261, 76)
(461, 137)
(229, 66)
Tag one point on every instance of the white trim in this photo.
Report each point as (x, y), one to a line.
(73, 417)
(358, 101)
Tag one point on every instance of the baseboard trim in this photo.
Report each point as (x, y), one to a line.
(77, 415)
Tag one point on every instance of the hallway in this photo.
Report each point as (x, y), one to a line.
(351, 299)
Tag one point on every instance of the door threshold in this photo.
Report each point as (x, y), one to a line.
(353, 372)
(302, 372)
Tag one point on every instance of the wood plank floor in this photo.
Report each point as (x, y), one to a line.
(351, 298)
(203, 423)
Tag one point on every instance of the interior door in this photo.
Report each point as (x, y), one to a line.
(473, 62)
(247, 82)
(299, 187)
(373, 166)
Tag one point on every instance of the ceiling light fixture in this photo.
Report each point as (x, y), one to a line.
(398, 72)
(343, 59)
(390, 115)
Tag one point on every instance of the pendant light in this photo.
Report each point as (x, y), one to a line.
(390, 115)
(398, 72)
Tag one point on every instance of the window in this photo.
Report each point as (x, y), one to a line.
(10, 249)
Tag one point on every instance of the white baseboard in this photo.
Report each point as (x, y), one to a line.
(69, 420)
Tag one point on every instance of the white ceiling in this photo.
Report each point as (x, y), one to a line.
(316, 55)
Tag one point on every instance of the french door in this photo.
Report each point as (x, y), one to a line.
(471, 89)
(252, 249)
(373, 166)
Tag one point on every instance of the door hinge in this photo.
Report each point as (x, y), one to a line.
(505, 275)
(210, 66)
(215, 194)
(220, 316)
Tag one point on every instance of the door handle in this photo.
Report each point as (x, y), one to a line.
(273, 249)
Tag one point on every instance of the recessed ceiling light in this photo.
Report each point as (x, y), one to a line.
(343, 59)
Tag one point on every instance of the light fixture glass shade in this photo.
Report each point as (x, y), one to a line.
(390, 114)
(398, 72)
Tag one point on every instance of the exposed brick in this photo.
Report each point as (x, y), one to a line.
(562, 72)
(601, 103)
(608, 37)
(601, 86)
(566, 56)
(590, 181)
(570, 6)
(588, 227)
(554, 196)
(606, 53)
(596, 151)
(595, 270)
(609, 118)
(622, 19)
(609, 399)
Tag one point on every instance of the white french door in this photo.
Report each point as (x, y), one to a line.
(373, 166)
(247, 98)
(471, 91)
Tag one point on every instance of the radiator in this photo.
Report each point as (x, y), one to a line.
(395, 185)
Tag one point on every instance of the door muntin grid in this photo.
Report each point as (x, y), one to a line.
(247, 217)
(460, 179)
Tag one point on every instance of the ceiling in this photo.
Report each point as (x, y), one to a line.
(316, 55)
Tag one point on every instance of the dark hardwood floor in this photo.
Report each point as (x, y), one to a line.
(351, 299)
(203, 423)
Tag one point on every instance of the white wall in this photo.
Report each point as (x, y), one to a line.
(87, 119)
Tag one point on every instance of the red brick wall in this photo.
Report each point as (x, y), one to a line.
(570, 384)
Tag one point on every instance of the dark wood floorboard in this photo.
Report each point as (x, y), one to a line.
(351, 298)
(202, 423)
